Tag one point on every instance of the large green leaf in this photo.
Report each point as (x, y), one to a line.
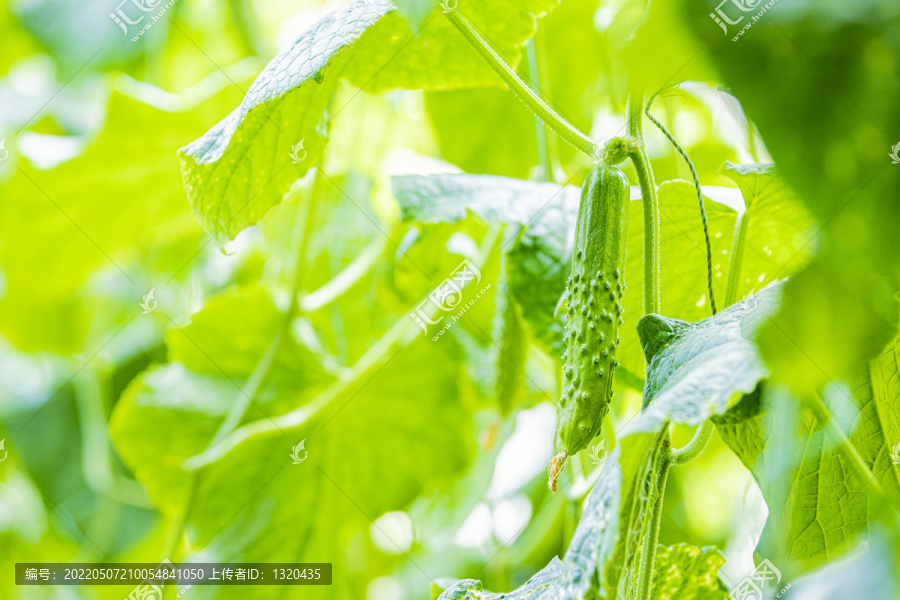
(870, 572)
(119, 202)
(243, 166)
(818, 508)
(253, 504)
(696, 370)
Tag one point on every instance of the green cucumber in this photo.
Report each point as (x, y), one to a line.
(595, 289)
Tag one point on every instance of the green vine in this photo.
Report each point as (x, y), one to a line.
(550, 117)
(635, 150)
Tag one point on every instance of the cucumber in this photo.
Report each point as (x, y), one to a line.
(595, 289)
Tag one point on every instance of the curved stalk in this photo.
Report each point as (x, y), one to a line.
(550, 117)
(696, 178)
(695, 447)
(638, 155)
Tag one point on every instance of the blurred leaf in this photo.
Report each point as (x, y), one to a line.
(400, 432)
(538, 260)
(81, 35)
(826, 510)
(696, 370)
(165, 416)
(461, 117)
(243, 166)
(685, 572)
(211, 344)
(120, 199)
(511, 349)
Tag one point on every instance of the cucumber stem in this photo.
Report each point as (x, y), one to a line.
(550, 117)
(638, 155)
(651, 536)
(696, 446)
(543, 143)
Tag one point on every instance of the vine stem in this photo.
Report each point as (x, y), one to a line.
(550, 117)
(651, 536)
(638, 155)
(695, 447)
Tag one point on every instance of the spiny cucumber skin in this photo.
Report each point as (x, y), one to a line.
(595, 290)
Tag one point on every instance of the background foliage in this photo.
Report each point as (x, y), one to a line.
(284, 289)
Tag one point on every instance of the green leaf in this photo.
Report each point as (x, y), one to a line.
(368, 454)
(696, 370)
(211, 345)
(54, 238)
(243, 166)
(818, 508)
(870, 572)
(685, 572)
(164, 417)
(776, 228)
